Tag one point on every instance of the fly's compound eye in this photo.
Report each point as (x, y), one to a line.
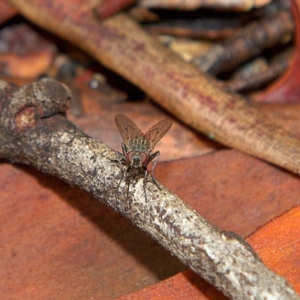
(143, 158)
(130, 157)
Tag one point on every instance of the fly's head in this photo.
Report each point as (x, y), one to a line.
(137, 159)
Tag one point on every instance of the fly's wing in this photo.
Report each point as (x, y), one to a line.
(127, 128)
(156, 132)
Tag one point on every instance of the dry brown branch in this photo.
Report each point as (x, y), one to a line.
(246, 43)
(34, 131)
(108, 8)
(259, 72)
(216, 4)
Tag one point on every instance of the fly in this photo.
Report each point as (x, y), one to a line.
(137, 147)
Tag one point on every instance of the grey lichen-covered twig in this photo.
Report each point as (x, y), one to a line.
(35, 131)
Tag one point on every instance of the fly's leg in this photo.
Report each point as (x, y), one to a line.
(121, 158)
(144, 183)
(155, 157)
(124, 149)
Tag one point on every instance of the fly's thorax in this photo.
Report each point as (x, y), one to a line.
(137, 159)
(139, 144)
